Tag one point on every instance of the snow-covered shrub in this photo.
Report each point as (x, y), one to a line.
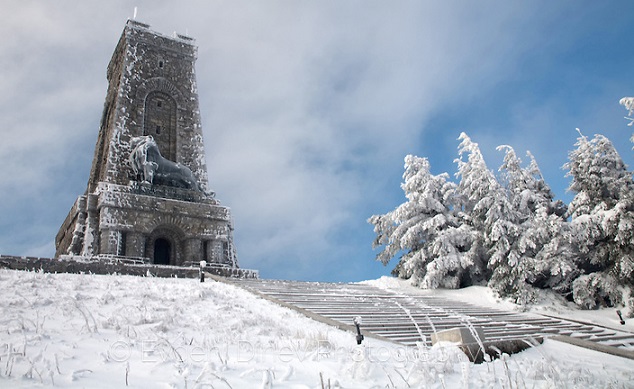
(596, 290)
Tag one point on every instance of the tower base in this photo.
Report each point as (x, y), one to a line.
(150, 223)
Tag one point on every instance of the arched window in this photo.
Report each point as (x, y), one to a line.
(159, 120)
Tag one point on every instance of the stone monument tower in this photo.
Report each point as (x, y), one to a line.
(147, 196)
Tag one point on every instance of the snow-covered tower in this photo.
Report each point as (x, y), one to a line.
(147, 195)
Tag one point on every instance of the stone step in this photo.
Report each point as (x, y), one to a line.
(396, 316)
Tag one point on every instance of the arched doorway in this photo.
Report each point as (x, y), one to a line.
(162, 251)
(164, 245)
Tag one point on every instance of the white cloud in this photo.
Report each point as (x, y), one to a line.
(310, 102)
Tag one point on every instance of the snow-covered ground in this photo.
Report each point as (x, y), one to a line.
(91, 331)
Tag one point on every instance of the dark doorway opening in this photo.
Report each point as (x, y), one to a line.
(162, 251)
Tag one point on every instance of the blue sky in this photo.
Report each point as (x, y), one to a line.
(309, 108)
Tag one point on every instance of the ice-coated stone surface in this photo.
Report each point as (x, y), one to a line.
(148, 194)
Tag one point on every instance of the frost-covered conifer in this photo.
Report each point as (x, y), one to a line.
(487, 210)
(536, 255)
(548, 235)
(424, 230)
(628, 103)
(599, 175)
(509, 265)
(602, 222)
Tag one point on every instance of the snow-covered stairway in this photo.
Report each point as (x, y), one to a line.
(408, 319)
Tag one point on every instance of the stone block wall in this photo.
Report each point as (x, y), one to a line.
(114, 265)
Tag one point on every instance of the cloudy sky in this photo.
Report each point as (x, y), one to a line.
(309, 107)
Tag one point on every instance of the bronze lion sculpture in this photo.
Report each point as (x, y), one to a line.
(150, 166)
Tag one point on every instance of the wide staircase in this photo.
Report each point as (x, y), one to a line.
(411, 318)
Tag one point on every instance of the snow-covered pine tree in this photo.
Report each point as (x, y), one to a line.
(543, 195)
(452, 262)
(424, 230)
(602, 222)
(509, 264)
(628, 103)
(486, 210)
(555, 262)
(537, 220)
(547, 235)
(599, 175)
